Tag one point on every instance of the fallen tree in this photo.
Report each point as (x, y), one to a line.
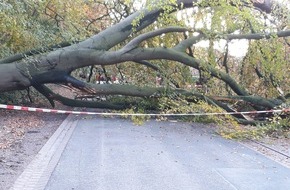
(124, 42)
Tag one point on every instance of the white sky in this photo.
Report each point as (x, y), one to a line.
(285, 2)
(237, 48)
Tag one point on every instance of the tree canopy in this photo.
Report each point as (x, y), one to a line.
(231, 54)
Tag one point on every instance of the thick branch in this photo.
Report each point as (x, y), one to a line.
(46, 92)
(126, 90)
(89, 104)
(148, 64)
(255, 100)
(265, 5)
(20, 56)
(172, 54)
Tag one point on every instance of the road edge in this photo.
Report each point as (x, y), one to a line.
(36, 175)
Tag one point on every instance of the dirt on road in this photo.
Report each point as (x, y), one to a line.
(22, 135)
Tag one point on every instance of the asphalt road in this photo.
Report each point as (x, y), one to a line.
(114, 154)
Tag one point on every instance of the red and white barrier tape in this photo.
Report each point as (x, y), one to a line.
(32, 109)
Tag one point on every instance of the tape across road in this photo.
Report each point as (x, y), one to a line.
(32, 109)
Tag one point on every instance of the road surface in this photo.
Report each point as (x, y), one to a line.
(113, 154)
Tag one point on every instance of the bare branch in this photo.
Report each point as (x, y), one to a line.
(136, 41)
(183, 45)
(156, 68)
(257, 36)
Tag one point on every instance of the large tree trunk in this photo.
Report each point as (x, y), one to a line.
(12, 79)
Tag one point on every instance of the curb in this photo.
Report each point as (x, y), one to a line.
(38, 172)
